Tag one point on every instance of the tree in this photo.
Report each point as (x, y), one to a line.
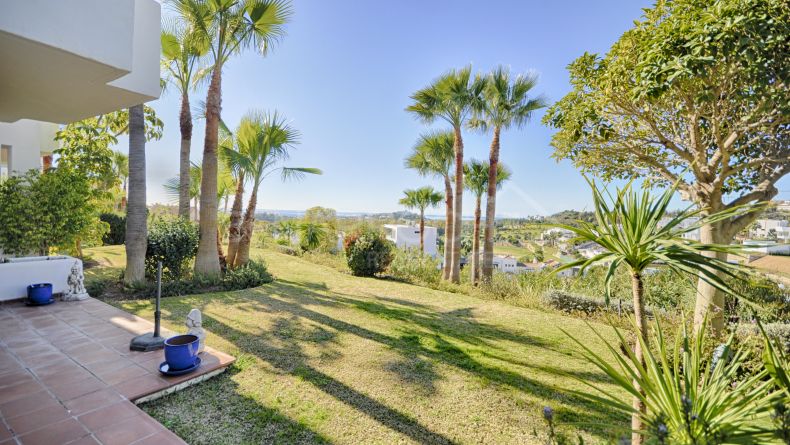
(286, 228)
(227, 27)
(476, 179)
(432, 155)
(136, 211)
(629, 227)
(421, 199)
(121, 167)
(311, 235)
(173, 186)
(507, 103)
(182, 62)
(695, 93)
(453, 98)
(264, 141)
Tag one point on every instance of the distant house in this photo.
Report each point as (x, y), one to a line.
(782, 206)
(589, 249)
(506, 263)
(766, 247)
(768, 228)
(406, 237)
(557, 233)
(692, 235)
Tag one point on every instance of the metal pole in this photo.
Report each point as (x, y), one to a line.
(157, 313)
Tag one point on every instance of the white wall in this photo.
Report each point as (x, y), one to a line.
(409, 237)
(28, 140)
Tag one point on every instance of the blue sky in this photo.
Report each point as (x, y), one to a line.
(343, 76)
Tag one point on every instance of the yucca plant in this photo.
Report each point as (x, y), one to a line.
(777, 365)
(635, 232)
(691, 398)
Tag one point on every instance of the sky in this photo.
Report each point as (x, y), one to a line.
(343, 75)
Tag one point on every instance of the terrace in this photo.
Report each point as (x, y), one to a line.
(67, 376)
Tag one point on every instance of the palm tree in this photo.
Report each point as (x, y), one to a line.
(264, 140)
(311, 235)
(286, 228)
(182, 63)
(173, 186)
(506, 104)
(476, 179)
(136, 212)
(432, 155)
(227, 27)
(421, 199)
(629, 227)
(120, 164)
(453, 97)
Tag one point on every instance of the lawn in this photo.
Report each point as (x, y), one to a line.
(325, 357)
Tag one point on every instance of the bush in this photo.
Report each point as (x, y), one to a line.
(368, 252)
(415, 266)
(117, 233)
(749, 337)
(174, 242)
(771, 301)
(575, 303)
(252, 274)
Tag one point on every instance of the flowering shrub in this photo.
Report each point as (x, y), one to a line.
(368, 252)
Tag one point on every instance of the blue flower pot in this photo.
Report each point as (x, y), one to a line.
(181, 351)
(40, 293)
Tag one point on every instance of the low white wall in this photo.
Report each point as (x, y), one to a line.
(17, 274)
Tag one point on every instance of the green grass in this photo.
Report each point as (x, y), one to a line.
(325, 357)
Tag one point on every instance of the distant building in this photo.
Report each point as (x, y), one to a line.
(766, 247)
(559, 233)
(767, 228)
(782, 206)
(406, 237)
(589, 249)
(506, 263)
(693, 234)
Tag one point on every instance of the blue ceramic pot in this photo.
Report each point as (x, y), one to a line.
(39, 293)
(181, 351)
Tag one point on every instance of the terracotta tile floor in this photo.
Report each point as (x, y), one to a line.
(67, 376)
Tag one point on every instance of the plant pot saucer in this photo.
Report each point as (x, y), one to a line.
(33, 303)
(164, 368)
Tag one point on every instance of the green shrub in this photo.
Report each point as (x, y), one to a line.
(117, 233)
(252, 274)
(174, 242)
(770, 299)
(288, 250)
(748, 336)
(415, 266)
(368, 252)
(575, 303)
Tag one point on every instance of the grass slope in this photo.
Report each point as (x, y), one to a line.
(325, 357)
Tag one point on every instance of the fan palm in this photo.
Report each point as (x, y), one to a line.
(506, 104)
(120, 163)
(183, 66)
(173, 186)
(286, 228)
(421, 199)
(632, 229)
(432, 155)
(453, 97)
(476, 180)
(227, 27)
(311, 235)
(264, 141)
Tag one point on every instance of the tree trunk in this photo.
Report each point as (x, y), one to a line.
(123, 195)
(185, 122)
(234, 231)
(458, 208)
(136, 226)
(422, 230)
(476, 243)
(207, 261)
(448, 227)
(710, 301)
(637, 289)
(488, 243)
(222, 261)
(243, 254)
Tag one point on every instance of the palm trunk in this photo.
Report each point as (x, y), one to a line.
(136, 226)
(637, 288)
(458, 147)
(710, 301)
(222, 261)
(243, 254)
(488, 243)
(448, 227)
(123, 195)
(234, 231)
(185, 122)
(207, 261)
(422, 230)
(476, 243)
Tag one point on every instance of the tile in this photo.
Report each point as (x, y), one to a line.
(162, 438)
(57, 433)
(127, 431)
(4, 433)
(109, 415)
(14, 377)
(21, 389)
(40, 418)
(27, 404)
(87, 440)
(96, 399)
(141, 386)
(76, 389)
(117, 376)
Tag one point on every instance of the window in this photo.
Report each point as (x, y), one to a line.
(5, 161)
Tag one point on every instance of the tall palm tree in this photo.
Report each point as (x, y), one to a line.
(507, 104)
(228, 27)
(120, 163)
(173, 186)
(453, 97)
(264, 141)
(183, 66)
(421, 199)
(227, 143)
(476, 180)
(136, 227)
(432, 155)
(629, 227)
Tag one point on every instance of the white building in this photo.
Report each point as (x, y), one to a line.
(766, 247)
(693, 234)
(558, 232)
(767, 228)
(589, 249)
(406, 237)
(26, 145)
(506, 263)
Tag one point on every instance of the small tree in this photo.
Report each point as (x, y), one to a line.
(421, 199)
(368, 252)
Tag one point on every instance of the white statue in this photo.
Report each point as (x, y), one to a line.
(195, 325)
(76, 284)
